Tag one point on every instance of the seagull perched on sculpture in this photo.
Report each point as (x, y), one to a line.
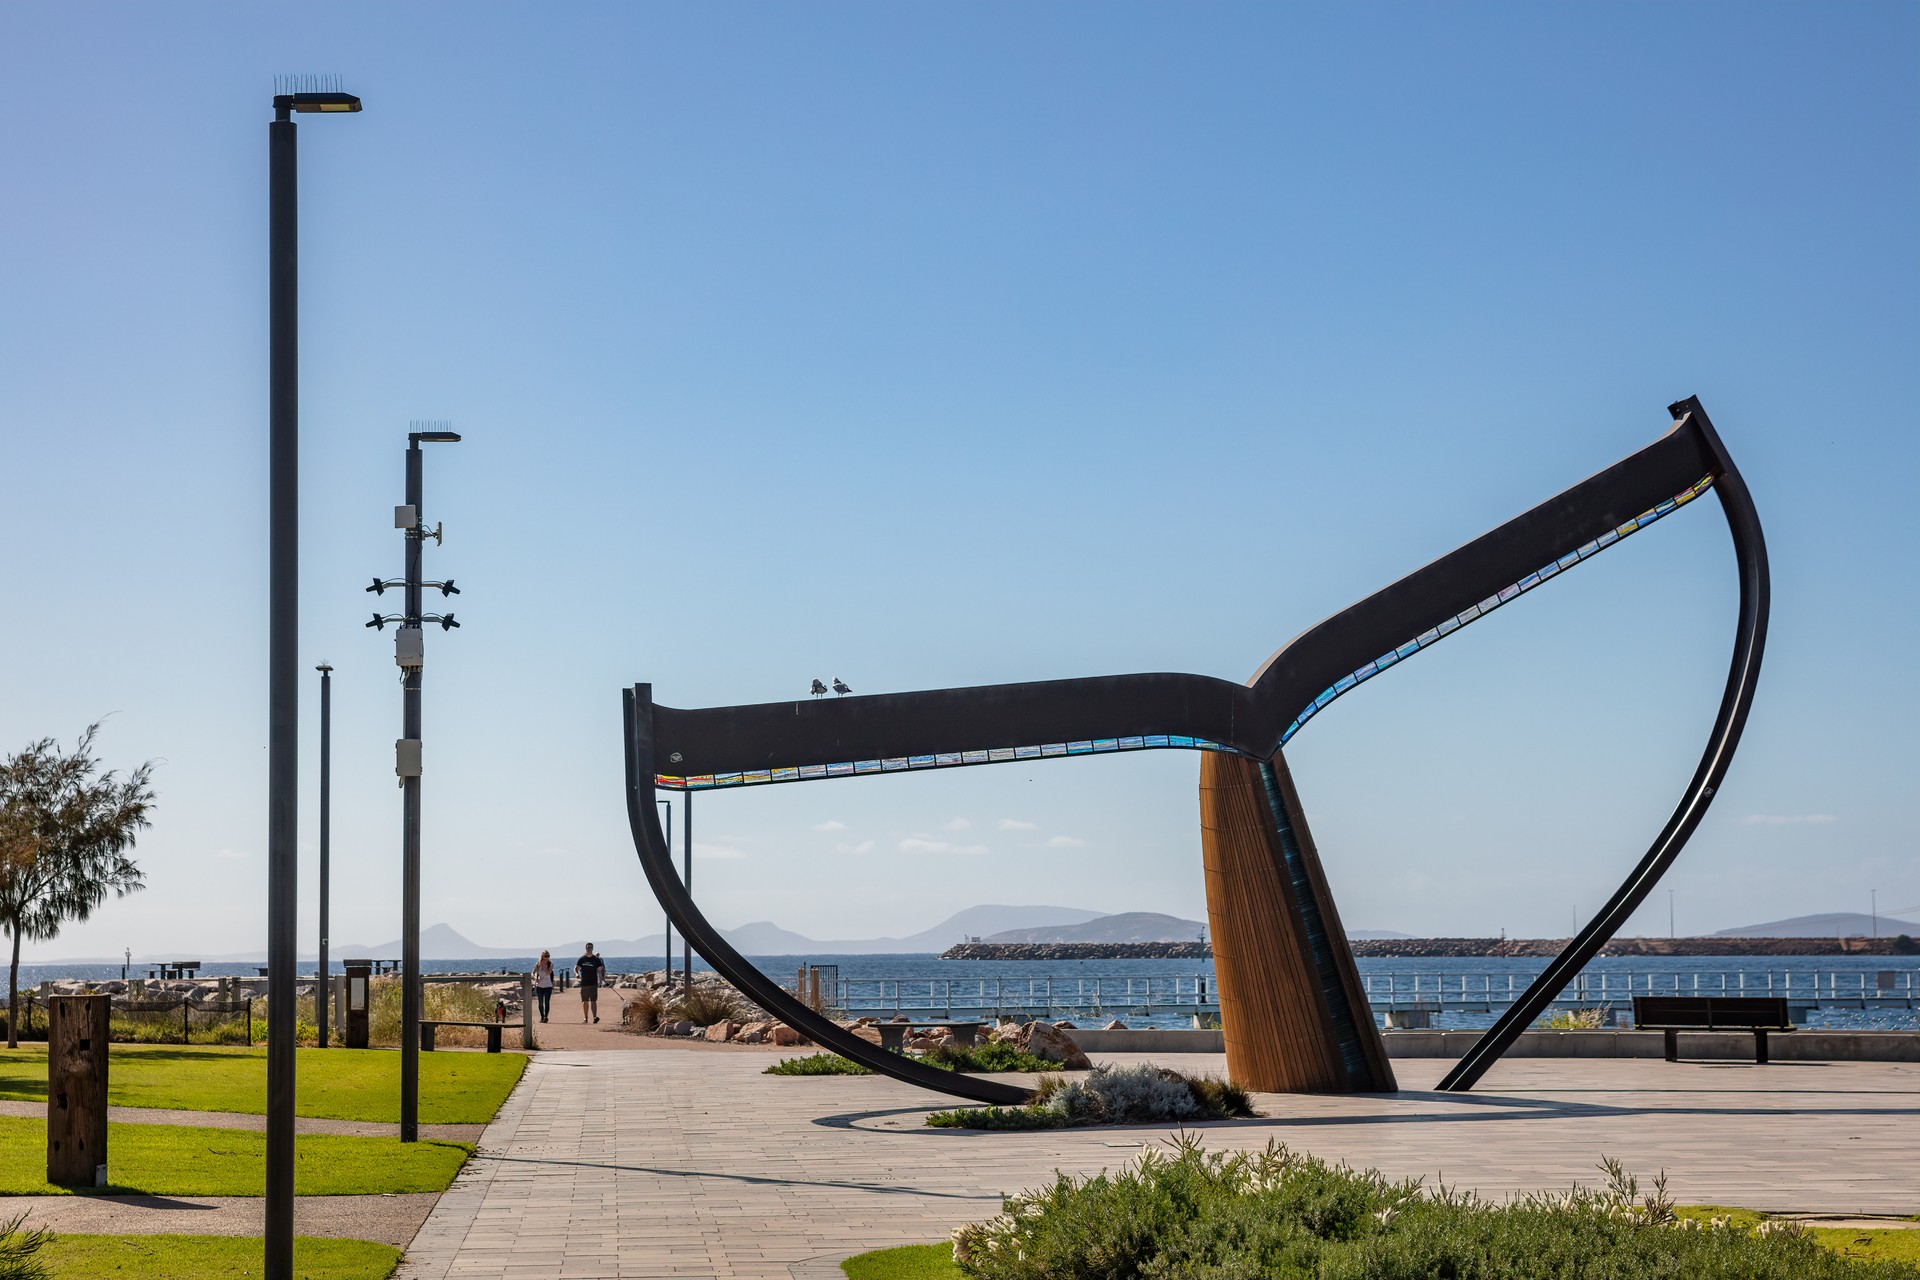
(818, 688)
(840, 686)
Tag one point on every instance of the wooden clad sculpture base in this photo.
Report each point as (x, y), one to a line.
(1296, 1019)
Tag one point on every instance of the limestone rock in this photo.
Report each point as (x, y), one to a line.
(721, 1032)
(1115, 1025)
(1043, 1040)
(782, 1034)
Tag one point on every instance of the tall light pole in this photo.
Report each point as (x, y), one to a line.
(283, 653)
(326, 834)
(409, 652)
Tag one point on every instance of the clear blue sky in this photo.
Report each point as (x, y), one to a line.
(935, 345)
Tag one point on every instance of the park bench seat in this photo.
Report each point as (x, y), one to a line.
(493, 1030)
(1674, 1014)
(893, 1035)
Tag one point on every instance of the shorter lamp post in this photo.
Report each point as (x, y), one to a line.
(326, 831)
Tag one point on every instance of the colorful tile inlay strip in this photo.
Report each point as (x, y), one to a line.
(1492, 602)
(941, 760)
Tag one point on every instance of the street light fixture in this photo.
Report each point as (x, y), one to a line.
(283, 653)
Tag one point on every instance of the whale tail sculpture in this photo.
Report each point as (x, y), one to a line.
(1294, 1013)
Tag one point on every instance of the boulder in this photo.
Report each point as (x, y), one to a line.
(1043, 1040)
(754, 1033)
(866, 1032)
(1115, 1025)
(1066, 1026)
(782, 1034)
(721, 1032)
(899, 1017)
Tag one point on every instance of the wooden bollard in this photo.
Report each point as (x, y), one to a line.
(77, 1091)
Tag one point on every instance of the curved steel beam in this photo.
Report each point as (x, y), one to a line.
(1750, 642)
(651, 843)
(1253, 718)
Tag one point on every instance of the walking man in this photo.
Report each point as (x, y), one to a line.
(589, 968)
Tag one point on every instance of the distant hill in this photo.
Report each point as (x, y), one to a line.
(759, 938)
(1839, 924)
(1128, 926)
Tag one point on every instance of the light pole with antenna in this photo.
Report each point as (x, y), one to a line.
(409, 653)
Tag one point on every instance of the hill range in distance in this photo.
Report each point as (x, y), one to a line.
(988, 923)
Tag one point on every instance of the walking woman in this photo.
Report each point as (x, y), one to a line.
(543, 983)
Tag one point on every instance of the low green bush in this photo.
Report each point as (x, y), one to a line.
(818, 1064)
(994, 1055)
(1188, 1214)
(18, 1247)
(1143, 1094)
(705, 1005)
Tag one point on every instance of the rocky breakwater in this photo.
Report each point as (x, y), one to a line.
(712, 1010)
(1079, 951)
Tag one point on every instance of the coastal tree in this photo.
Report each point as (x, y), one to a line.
(66, 836)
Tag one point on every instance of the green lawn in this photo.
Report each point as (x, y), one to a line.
(181, 1160)
(913, 1262)
(334, 1084)
(210, 1258)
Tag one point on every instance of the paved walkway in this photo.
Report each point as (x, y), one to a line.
(685, 1161)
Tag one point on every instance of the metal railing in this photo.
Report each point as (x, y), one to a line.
(1066, 996)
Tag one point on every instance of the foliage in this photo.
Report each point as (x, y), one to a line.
(913, 1262)
(176, 1257)
(333, 1084)
(1904, 945)
(994, 1055)
(1142, 1094)
(1196, 1215)
(1594, 1019)
(451, 1001)
(643, 1011)
(19, 1249)
(187, 1160)
(707, 1004)
(66, 830)
(818, 1064)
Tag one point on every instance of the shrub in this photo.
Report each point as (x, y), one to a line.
(439, 1001)
(994, 1055)
(706, 1005)
(17, 1248)
(1187, 1214)
(1143, 1094)
(643, 1011)
(1595, 1019)
(818, 1064)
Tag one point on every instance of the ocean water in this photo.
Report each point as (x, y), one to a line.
(1089, 989)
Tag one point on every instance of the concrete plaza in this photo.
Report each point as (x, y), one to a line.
(686, 1161)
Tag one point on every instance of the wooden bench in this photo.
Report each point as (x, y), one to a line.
(893, 1035)
(493, 1030)
(1674, 1014)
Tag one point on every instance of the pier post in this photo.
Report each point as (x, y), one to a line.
(77, 1091)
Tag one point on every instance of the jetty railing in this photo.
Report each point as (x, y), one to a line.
(1068, 996)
